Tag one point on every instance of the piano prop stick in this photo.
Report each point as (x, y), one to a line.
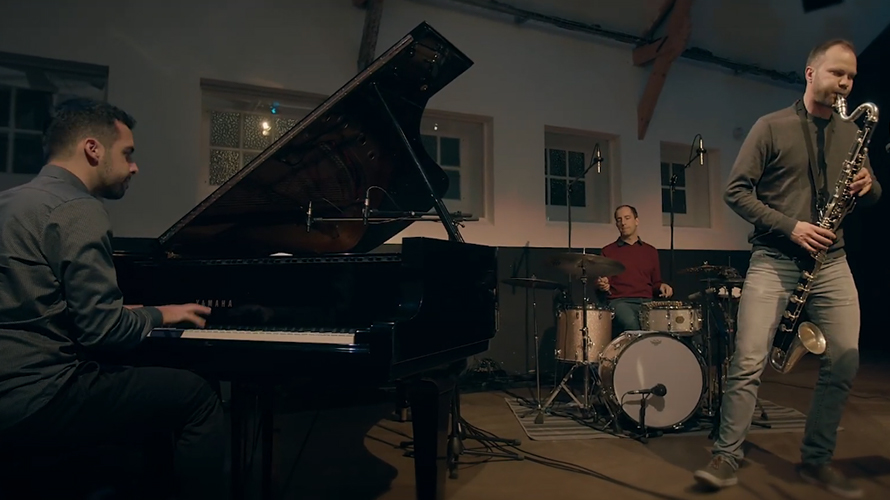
(285, 252)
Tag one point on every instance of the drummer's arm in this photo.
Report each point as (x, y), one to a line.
(656, 275)
(604, 294)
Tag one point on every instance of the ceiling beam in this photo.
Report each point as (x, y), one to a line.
(792, 79)
(663, 12)
(368, 48)
(662, 53)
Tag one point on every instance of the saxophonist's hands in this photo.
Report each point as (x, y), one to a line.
(812, 237)
(861, 184)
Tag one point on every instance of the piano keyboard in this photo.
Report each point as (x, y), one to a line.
(340, 337)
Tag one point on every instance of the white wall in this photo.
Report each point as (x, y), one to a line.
(523, 77)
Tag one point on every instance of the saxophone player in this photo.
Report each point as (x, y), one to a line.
(779, 181)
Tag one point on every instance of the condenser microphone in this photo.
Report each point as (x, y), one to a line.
(701, 151)
(598, 158)
(367, 209)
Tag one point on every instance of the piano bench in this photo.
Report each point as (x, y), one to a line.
(92, 473)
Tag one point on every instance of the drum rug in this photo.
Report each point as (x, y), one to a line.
(560, 422)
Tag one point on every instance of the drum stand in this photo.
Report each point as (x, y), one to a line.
(589, 369)
(539, 418)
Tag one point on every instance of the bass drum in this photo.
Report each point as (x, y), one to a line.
(638, 360)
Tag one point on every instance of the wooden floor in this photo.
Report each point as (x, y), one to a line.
(317, 461)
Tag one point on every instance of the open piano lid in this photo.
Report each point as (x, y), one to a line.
(330, 158)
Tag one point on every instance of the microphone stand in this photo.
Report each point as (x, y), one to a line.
(597, 159)
(673, 185)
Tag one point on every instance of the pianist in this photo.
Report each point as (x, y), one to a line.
(60, 302)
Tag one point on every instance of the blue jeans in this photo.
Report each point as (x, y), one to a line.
(627, 314)
(833, 305)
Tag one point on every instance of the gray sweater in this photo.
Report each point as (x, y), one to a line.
(771, 185)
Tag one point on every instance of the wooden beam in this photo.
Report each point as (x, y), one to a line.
(662, 54)
(645, 54)
(368, 47)
(663, 12)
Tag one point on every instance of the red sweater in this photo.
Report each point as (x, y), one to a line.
(642, 275)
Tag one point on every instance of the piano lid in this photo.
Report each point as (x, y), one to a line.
(331, 159)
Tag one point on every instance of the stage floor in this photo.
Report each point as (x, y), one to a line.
(315, 465)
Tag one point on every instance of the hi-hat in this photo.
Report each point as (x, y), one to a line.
(533, 283)
(594, 265)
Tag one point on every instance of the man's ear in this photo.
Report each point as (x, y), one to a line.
(93, 150)
(808, 73)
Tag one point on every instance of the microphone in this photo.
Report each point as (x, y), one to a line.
(597, 158)
(367, 209)
(658, 390)
(309, 217)
(701, 151)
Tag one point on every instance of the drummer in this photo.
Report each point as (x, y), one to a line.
(641, 280)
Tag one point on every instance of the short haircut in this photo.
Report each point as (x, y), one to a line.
(78, 118)
(823, 47)
(632, 209)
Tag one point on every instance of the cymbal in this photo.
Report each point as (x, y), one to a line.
(533, 283)
(594, 265)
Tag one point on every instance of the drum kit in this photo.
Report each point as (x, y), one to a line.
(674, 366)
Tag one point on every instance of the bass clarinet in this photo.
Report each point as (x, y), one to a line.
(793, 341)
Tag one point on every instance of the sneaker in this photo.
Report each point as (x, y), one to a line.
(829, 478)
(717, 474)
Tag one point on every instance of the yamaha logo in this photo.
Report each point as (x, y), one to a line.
(214, 302)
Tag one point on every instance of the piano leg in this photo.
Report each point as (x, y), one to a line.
(431, 399)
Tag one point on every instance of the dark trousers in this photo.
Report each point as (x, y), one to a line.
(152, 409)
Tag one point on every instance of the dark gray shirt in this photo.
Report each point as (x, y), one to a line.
(771, 184)
(59, 296)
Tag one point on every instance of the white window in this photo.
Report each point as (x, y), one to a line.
(29, 89)
(459, 145)
(567, 155)
(691, 197)
(241, 121)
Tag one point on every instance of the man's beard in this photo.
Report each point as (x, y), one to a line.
(114, 191)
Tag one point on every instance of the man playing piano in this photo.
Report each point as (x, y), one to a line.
(60, 303)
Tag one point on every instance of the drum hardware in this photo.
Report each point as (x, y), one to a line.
(658, 390)
(580, 265)
(670, 372)
(535, 283)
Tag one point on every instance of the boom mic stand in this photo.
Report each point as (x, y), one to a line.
(597, 160)
(700, 155)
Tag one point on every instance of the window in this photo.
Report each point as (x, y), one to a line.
(692, 194)
(241, 121)
(567, 155)
(29, 89)
(459, 144)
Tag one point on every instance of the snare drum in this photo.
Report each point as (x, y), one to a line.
(569, 340)
(670, 316)
(638, 360)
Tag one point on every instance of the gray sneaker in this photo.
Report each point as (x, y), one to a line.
(829, 478)
(717, 474)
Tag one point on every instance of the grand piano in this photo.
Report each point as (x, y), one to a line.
(287, 254)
